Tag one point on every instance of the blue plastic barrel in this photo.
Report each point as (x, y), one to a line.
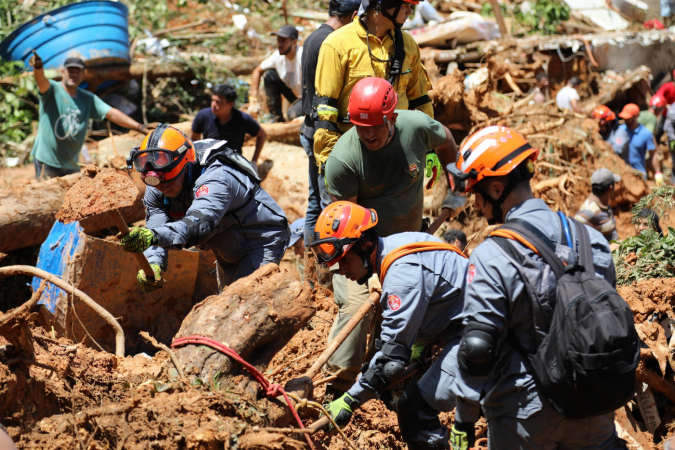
(96, 31)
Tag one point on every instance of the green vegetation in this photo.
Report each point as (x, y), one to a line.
(649, 254)
(540, 16)
(18, 108)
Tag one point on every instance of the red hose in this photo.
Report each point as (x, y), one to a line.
(271, 389)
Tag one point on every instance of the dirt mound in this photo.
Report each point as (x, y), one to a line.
(291, 196)
(649, 296)
(96, 193)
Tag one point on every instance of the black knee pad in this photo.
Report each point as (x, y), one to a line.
(407, 409)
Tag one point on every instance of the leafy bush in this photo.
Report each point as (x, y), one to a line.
(649, 254)
(18, 107)
(543, 16)
(540, 16)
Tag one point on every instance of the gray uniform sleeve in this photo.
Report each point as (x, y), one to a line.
(494, 281)
(213, 194)
(669, 125)
(155, 216)
(404, 302)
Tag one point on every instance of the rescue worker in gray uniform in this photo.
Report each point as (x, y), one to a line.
(496, 163)
(203, 194)
(422, 289)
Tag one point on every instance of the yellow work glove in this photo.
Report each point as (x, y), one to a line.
(417, 352)
(151, 285)
(462, 436)
(138, 240)
(658, 177)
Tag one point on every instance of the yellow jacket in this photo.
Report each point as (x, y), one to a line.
(344, 60)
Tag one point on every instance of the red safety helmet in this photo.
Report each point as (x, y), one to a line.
(603, 114)
(491, 152)
(372, 102)
(162, 155)
(657, 101)
(338, 228)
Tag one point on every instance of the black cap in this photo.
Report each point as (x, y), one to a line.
(344, 6)
(287, 31)
(74, 61)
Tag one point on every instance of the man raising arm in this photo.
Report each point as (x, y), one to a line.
(65, 110)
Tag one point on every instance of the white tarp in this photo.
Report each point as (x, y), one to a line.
(462, 28)
(599, 13)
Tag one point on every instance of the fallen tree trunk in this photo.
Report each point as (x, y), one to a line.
(27, 212)
(288, 133)
(255, 316)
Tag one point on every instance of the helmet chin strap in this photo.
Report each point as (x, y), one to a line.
(392, 17)
(367, 264)
(522, 173)
(497, 212)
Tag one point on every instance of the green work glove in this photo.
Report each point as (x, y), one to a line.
(150, 285)
(417, 351)
(341, 410)
(462, 436)
(433, 169)
(138, 240)
(671, 145)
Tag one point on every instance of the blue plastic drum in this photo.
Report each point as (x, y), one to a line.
(96, 31)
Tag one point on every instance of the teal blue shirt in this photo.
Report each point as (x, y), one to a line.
(63, 125)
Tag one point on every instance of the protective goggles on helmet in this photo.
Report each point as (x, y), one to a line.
(153, 160)
(458, 179)
(332, 248)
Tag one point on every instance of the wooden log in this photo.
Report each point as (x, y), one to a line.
(27, 212)
(255, 316)
(288, 133)
(665, 385)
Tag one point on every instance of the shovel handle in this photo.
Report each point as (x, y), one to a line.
(124, 229)
(436, 224)
(346, 331)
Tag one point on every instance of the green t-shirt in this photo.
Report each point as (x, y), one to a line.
(63, 125)
(647, 120)
(389, 180)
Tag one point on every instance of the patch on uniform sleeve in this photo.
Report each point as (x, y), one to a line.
(394, 302)
(203, 191)
(471, 273)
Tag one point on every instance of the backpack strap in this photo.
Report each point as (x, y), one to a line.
(503, 242)
(585, 248)
(531, 239)
(543, 247)
(415, 247)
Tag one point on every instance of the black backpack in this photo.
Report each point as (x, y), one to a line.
(585, 366)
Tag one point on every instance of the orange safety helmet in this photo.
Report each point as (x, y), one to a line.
(603, 114)
(372, 102)
(491, 152)
(338, 228)
(162, 155)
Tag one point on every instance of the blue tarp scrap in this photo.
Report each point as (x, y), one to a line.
(55, 253)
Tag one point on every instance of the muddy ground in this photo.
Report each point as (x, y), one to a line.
(76, 397)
